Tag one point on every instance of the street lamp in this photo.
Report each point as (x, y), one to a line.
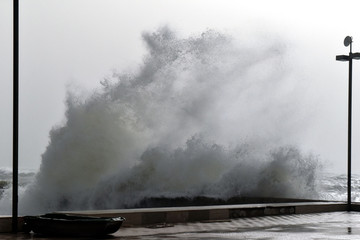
(349, 58)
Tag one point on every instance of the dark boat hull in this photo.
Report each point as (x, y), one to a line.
(70, 225)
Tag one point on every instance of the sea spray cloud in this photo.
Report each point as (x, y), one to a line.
(201, 169)
(202, 115)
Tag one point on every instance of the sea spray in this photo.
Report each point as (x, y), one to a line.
(201, 116)
(210, 171)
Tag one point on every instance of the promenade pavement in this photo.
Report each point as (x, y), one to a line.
(331, 225)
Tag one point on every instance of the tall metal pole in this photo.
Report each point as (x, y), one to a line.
(15, 115)
(349, 131)
(348, 41)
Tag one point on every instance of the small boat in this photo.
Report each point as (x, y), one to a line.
(71, 225)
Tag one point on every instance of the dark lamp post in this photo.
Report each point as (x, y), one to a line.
(15, 115)
(348, 42)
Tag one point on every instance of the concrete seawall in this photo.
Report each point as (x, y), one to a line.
(151, 216)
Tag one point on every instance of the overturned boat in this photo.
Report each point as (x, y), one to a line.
(71, 225)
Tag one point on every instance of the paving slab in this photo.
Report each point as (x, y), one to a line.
(334, 225)
(330, 225)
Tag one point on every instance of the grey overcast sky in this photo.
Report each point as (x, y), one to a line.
(79, 42)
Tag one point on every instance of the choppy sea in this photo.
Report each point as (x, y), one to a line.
(332, 186)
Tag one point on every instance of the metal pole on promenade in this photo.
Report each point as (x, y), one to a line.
(15, 115)
(349, 133)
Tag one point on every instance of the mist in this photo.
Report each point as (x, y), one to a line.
(204, 115)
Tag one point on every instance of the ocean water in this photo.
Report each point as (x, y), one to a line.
(334, 187)
(25, 178)
(331, 187)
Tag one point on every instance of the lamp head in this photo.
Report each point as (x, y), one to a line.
(347, 41)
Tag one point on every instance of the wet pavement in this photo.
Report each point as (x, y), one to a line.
(334, 225)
